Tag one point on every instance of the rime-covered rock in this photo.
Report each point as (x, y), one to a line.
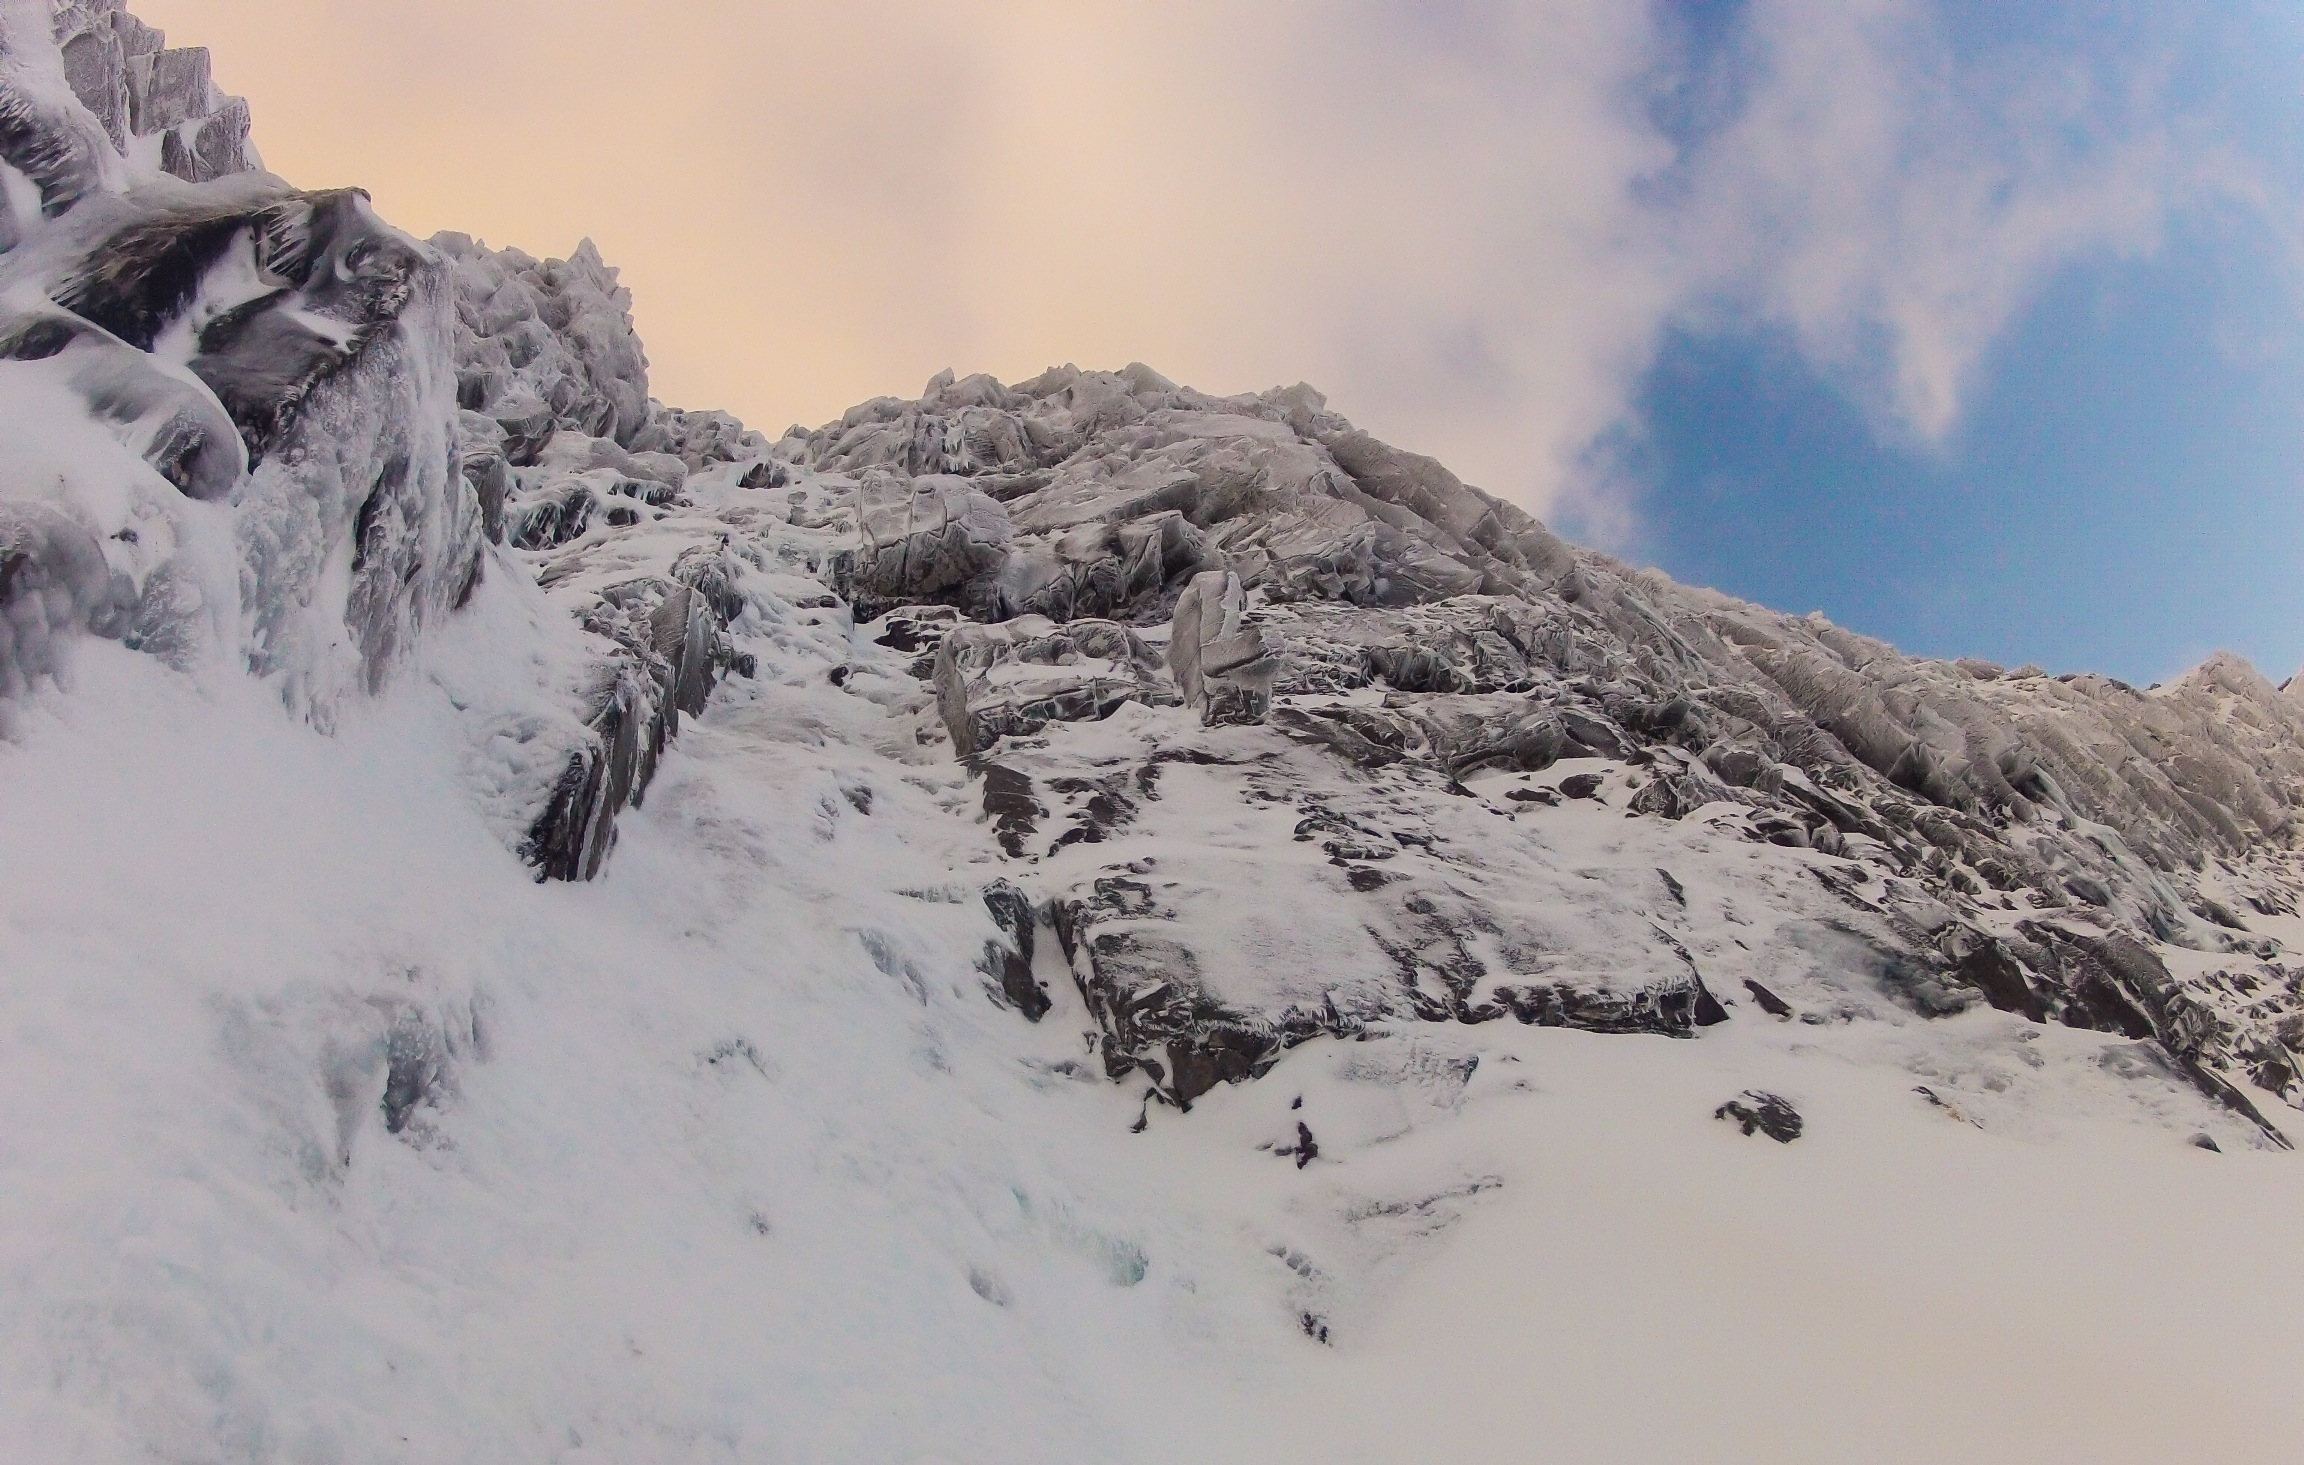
(155, 103)
(1222, 665)
(700, 439)
(923, 538)
(665, 637)
(282, 355)
(1442, 653)
(1014, 679)
(550, 334)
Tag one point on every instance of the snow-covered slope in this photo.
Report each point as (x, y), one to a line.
(1080, 920)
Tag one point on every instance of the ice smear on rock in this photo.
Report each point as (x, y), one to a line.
(285, 353)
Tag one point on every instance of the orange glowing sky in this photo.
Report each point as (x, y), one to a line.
(1473, 225)
(814, 204)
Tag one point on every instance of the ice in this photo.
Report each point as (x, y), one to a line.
(682, 1170)
(285, 354)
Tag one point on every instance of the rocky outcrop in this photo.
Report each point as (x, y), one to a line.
(545, 346)
(1285, 733)
(1432, 662)
(279, 354)
(155, 103)
(90, 97)
(921, 539)
(564, 451)
(1016, 678)
(1758, 1112)
(1007, 959)
(1223, 667)
(668, 651)
(1120, 486)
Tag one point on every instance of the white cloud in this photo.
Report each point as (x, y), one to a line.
(1462, 220)
(1897, 205)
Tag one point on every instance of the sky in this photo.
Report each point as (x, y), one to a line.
(1973, 324)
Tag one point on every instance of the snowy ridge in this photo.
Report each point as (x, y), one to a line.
(1080, 919)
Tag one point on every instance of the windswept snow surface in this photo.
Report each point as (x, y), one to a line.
(729, 1158)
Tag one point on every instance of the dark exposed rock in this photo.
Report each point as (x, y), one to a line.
(1756, 1112)
(345, 276)
(670, 648)
(1306, 1148)
(1009, 804)
(1706, 1011)
(1770, 1003)
(920, 630)
(1993, 971)
(1009, 960)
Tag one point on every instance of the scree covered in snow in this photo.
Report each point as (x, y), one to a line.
(1076, 920)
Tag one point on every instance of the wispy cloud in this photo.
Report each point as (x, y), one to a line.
(1896, 203)
(1471, 223)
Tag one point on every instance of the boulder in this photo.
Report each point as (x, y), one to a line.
(1222, 666)
(924, 538)
(1016, 678)
(1757, 1112)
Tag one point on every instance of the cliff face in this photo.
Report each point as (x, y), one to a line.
(1289, 733)
(1109, 586)
(274, 364)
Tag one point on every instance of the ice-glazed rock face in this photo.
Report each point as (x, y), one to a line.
(1285, 733)
(156, 104)
(269, 372)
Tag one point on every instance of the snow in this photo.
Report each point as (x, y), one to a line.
(731, 1158)
(117, 542)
